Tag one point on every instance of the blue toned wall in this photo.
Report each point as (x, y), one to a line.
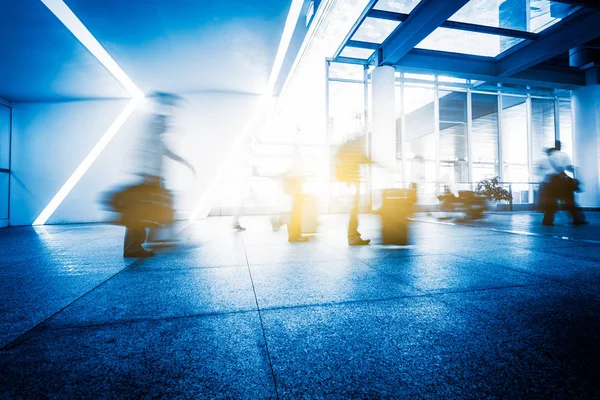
(586, 142)
(51, 139)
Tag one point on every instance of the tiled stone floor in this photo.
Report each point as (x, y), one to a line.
(498, 308)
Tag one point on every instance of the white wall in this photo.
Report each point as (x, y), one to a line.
(586, 142)
(51, 139)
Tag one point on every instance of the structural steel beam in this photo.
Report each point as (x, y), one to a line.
(585, 3)
(424, 19)
(362, 45)
(581, 28)
(463, 26)
(356, 25)
(482, 68)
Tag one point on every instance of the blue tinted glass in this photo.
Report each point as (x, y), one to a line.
(530, 15)
(464, 42)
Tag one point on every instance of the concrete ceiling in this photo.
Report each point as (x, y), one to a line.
(181, 46)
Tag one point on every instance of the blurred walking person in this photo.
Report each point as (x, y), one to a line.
(557, 187)
(148, 204)
(349, 158)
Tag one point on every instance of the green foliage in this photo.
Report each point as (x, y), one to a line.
(490, 188)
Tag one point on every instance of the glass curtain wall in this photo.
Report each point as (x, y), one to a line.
(542, 127)
(452, 133)
(484, 136)
(453, 124)
(515, 166)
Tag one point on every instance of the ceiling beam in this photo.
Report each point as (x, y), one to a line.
(356, 25)
(463, 26)
(585, 3)
(424, 19)
(484, 69)
(349, 60)
(581, 28)
(362, 45)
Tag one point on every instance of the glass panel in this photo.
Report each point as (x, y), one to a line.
(355, 52)
(514, 141)
(346, 110)
(346, 71)
(375, 30)
(419, 145)
(453, 137)
(566, 129)
(542, 127)
(484, 138)
(475, 43)
(4, 137)
(4, 177)
(523, 15)
(450, 79)
(399, 6)
(422, 77)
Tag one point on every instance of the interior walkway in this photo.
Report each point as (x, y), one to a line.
(463, 312)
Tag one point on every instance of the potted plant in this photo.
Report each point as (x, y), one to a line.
(490, 189)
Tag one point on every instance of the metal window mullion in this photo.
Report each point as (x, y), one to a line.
(556, 119)
(328, 134)
(529, 145)
(500, 141)
(368, 135)
(436, 116)
(469, 135)
(404, 161)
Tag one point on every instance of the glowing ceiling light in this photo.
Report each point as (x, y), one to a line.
(74, 25)
(286, 37)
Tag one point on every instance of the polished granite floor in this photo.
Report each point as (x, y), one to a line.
(499, 308)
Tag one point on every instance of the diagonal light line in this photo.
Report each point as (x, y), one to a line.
(76, 27)
(87, 161)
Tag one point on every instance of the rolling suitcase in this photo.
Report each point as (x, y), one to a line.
(394, 213)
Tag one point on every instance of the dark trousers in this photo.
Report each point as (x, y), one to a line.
(353, 232)
(554, 192)
(134, 238)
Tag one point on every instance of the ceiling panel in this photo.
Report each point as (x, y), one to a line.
(40, 60)
(189, 46)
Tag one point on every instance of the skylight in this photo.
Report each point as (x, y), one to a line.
(464, 42)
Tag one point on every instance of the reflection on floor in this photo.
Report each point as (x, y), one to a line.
(463, 312)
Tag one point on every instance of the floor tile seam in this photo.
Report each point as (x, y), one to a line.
(262, 325)
(132, 321)
(527, 273)
(491, 288)
(223, 313)
(190, 268)
(513, 232)
(68, 305)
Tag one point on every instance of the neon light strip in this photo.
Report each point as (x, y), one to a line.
(87, 161)
(74, 25)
